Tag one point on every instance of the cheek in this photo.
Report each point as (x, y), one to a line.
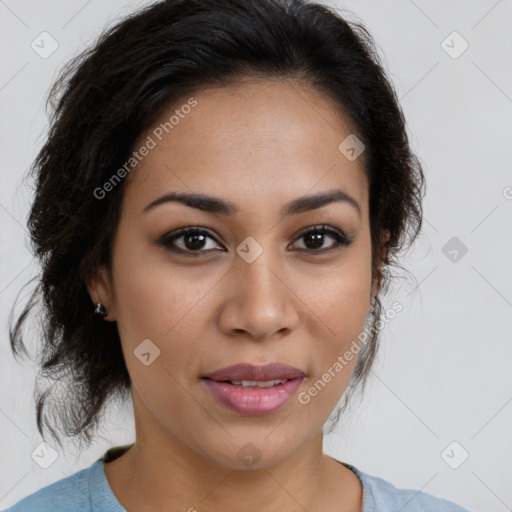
(334, 355)
(345, 305)
(160, 302)
(153, 298)
(338, 307)
(156, 302)
(339, 299)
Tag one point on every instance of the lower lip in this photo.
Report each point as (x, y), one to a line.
(253, 402)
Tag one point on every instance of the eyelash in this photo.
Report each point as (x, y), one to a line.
(168, 239)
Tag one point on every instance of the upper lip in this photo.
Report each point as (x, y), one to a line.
(245, 371)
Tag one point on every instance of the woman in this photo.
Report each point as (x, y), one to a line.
(223, 191)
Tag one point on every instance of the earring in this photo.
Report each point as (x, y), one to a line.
(101, 310)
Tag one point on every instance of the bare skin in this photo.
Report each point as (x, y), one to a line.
(259, 145)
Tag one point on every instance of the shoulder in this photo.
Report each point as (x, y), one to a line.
(382, 496)
(69, 493)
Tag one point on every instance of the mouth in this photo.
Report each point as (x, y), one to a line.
(255, 384)
(254, 390)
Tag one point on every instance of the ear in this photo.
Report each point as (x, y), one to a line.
(101, 290)
(377, 281)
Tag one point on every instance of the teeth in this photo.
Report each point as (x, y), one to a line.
(260, 384)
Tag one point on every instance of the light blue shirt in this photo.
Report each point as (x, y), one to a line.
(88, 490)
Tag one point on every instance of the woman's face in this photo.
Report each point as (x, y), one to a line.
(250, 286)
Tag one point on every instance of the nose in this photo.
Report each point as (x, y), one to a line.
(260, 301)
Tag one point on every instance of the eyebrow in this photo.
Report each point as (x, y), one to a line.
(212, 204)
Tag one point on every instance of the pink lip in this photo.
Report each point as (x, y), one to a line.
(245, 371)
(254, 402)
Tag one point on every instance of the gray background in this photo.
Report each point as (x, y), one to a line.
(443, 373)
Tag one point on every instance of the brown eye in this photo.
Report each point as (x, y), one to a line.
(193, 240)
(315, 238)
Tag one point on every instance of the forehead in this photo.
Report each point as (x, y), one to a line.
(247, 140)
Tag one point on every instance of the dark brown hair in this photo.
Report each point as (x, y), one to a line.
(111, 93)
